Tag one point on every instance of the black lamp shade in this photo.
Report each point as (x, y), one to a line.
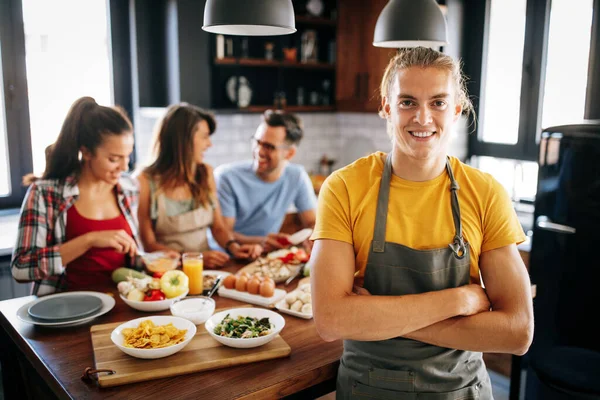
(410, 23)
(249, 17)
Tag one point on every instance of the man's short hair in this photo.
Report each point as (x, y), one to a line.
(291, 123)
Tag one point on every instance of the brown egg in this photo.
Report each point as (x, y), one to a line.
(268, 279)
(229, 282)
(241, 283)
(267, 289)
(247, 275)
(254, 285)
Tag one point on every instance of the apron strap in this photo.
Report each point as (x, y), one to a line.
(153, 199)
(382, 206)
(458, 246)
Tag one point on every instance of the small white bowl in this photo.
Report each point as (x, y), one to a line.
(196, 309)
(152, 306)
(277, 320)
(180, 323)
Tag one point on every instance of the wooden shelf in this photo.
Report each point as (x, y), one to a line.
(315, 20)
(263, 108)
(260, 62)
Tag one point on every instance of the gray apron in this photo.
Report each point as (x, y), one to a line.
(401, 368)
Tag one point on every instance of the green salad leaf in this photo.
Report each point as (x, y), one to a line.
(243, 327)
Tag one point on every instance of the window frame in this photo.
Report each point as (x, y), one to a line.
(535, 51)
(14, 69)
(18, 137)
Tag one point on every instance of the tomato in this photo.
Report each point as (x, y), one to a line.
(154, 295)
(158, 275)
(283, 241)
(302, 256)
(174, 283)
(288, 258)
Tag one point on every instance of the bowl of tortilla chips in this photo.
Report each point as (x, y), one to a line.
(153, 337)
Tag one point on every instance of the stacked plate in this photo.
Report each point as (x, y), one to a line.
(66, 309)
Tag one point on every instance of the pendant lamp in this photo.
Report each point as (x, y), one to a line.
(410, 23)
(249, 17)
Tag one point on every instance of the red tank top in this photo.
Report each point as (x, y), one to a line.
(94, 267)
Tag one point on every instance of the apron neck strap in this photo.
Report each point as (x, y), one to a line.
(382, 206)
(458, 246)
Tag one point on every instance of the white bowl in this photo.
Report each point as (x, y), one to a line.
(152, 306)
(195, 309)
(277, 320)
(180, 323)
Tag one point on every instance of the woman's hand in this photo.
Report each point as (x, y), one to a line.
(251, 251)
(116, 239)
(214, 259)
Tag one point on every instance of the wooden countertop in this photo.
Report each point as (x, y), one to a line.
(61, 355)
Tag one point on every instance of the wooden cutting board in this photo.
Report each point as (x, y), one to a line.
(201, 354)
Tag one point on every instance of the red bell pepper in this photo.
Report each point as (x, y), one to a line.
(154, 295)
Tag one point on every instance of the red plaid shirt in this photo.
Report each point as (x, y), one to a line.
(42, 229)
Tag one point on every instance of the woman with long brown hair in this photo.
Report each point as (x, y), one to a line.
(77, 224)
(178, 201)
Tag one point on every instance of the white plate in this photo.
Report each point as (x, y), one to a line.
(259, 313)
(298, 314)
(179, 323)
(107, 304)
(252, 298)
(300, 236)
(280, 304)
(152, 306)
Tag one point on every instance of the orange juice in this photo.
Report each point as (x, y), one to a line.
(193, 264)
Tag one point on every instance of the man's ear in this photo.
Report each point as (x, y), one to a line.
(385, 107)
(291, 152)
(457, 112)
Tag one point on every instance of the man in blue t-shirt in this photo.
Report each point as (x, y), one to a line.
(256, 194)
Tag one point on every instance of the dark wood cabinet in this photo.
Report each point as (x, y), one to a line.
(360, 64)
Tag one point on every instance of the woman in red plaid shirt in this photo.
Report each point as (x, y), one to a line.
(77, 222)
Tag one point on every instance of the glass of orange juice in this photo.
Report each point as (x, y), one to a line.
(193, 264)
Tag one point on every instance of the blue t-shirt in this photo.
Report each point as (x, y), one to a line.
(259, 207)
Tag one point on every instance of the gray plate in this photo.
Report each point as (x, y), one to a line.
(65, 308)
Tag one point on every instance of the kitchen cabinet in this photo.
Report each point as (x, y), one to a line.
(360, 65)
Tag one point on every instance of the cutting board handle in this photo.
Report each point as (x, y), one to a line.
(91, 375)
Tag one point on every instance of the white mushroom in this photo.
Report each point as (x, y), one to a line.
(305, 298)
(291, 298)
(297, 306)
(307, 308)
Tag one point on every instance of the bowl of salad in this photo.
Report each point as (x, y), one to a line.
(245, 328)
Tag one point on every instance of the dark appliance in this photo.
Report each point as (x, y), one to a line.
(564, 359)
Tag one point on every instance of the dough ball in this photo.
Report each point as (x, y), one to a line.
(291, 298)
(297, 306)
(307, 308)
(305, 298)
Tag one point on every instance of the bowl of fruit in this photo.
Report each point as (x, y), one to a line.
(145, 293)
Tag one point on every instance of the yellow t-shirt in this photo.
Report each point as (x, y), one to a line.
(419, 213)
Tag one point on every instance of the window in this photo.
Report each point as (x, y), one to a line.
(68, 56)
(534, 74)
(503, 72)
(51, 54)
(4, 165)
(567, 65)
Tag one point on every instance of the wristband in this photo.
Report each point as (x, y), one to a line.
(229, 242)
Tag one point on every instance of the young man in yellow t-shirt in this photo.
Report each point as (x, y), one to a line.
(418, 229)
